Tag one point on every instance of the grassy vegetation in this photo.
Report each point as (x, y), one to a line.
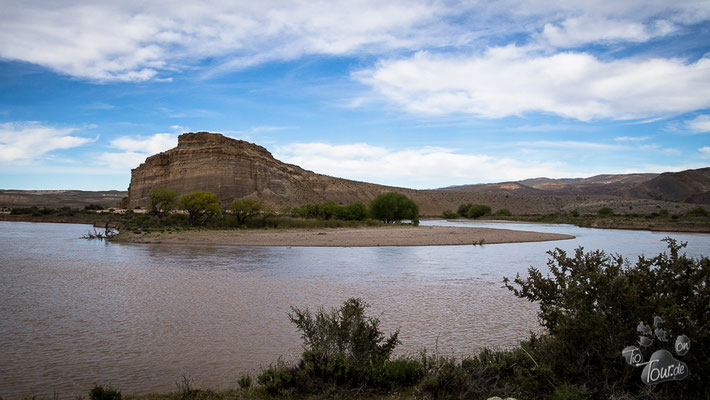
(590, 305)
(661, 220)
(697, 219)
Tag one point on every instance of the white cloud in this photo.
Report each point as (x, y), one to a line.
(569, 144)
(132, 40)
(426, 167)
(26, 141)
(705, 151)
(151, 144)
(699, 124)
(511, 80)
(631, 138)
(135, 149)
(576, 31)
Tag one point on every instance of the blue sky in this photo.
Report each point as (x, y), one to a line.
(419, 94)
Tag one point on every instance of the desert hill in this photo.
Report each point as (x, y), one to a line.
(689, 186)
(69, 198)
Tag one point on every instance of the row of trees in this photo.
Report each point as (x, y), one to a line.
(474, 211)
(201, 206)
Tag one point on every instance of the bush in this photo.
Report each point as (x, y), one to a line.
(344, 346)
(591, 304)
(393, 207)
(100, 393)
(504, 212)
(328, 210)
(477, 210)
(605, 212)
(352, 212)
(448, 214)
(463, 209)
(698, 212)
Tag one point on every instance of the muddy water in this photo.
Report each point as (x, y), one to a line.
(140, 317)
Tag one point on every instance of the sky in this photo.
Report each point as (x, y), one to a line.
(419, 94)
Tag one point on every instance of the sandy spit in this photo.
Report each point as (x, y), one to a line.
(345, 237)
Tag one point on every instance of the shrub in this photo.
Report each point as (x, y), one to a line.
(392, 207)
(343, 346)
(477, 210)
(591, 304)
(463, 209)
(200, 206)
(328, 210)
(352, 212)
(448, 214)
(504, 212)
(605, 212)
(245, 381)
(698, 212)
(99, 392)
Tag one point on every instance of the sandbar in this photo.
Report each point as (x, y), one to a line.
(345, 237)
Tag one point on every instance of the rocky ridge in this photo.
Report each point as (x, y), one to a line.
(234, 169)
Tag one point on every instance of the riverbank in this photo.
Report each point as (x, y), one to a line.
(638, 223)
(343, 237)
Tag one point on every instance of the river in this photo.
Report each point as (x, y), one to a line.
(75, 312)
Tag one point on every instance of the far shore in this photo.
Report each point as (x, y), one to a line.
(344, 237)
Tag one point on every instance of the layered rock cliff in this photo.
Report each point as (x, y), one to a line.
(234, 169)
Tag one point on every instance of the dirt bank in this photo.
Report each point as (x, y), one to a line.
(345, 237)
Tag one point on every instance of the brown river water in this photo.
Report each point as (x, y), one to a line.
(74, 312)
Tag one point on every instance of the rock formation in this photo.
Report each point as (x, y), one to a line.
(234, 169)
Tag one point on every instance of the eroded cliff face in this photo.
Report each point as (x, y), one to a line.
(212, 162)
(234, 169)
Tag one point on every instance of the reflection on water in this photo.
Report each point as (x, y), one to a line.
(77, 312)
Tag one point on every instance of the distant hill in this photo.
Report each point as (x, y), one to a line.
(599, 184)
(234, 169)
(69, 198)
(689, 186)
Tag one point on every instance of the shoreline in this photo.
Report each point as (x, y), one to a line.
(344, 237)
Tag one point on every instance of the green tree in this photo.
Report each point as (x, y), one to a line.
(200, 206)
(352, 212)
(392, 207)
(463, 209)
(477, 210)
(328, 210)
(245, 208)
(162, 201)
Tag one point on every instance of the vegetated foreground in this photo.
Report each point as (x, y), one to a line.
(594, 306)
